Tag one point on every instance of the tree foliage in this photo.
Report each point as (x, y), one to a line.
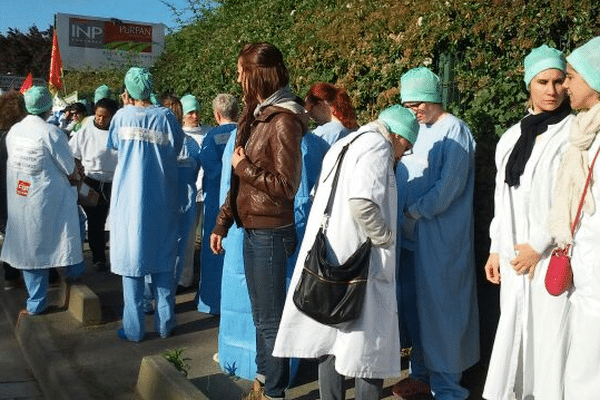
(366, 45)
(23, 53)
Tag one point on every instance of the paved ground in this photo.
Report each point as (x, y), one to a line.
(16, 379)
(77, 362)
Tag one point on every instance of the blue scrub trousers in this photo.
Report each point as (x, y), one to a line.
(444, 385)
(36, 282)
(265, 257)
(163, 289)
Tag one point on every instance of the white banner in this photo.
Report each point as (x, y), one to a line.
(96, 43)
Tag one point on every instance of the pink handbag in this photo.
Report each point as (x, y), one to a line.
(559, 276)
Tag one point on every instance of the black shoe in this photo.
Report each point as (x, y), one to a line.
(101, 266)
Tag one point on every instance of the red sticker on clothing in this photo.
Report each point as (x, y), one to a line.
(23, 188)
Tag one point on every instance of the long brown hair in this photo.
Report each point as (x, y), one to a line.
(263, 73)
(174, 104)
(338, 99)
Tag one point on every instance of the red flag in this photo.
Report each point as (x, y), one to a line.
(55, 80)
(27, 83)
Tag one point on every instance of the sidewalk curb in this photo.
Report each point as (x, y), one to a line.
(159, 380)
(50, 369)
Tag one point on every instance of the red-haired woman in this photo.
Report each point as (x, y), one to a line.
(330, 107)
(267, 168)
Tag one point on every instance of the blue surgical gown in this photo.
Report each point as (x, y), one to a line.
(143, 204)
(331, 132)
(213, 146)
(441, 176)
(237, 334)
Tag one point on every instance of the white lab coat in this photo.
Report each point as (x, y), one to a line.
(582, 370)
(198, 133)
(368, 347)
(532, 322)
(89, 145)
(43, 225)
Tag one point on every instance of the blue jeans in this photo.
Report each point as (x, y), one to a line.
(265, 258)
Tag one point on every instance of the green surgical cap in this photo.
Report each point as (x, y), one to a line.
(586, 61)
(543, 58)
(420, 85)
(139, 83)
(38, 100)
(400, 121)
(102, 92)
(189, 104)
(154, 99)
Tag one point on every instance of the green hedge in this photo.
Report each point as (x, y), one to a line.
(366, 45)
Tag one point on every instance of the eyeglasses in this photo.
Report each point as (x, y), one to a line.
(413, 106)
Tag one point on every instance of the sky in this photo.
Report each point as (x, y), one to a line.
(23, 14)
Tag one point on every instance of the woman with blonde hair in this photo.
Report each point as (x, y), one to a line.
(582, 375)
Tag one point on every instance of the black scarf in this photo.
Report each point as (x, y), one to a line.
(531, 126)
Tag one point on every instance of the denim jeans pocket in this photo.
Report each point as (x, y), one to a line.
(289, 240)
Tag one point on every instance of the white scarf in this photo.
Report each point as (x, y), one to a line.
(572, 175)
(282, 98)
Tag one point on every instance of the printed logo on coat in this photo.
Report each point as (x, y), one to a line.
(143, 135)
(27, 156)
(23, 188)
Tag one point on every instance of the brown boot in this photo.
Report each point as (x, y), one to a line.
(257, 392)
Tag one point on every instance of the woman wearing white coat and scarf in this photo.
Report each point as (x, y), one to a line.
(582, 367)
(367, 348)
(526, 358)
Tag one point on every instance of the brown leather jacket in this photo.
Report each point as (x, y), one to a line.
(263, 185)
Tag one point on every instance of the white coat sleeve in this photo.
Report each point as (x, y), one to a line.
(368, 216)
(499, 185)
(59, 149)
(75, 143)
(540, 238)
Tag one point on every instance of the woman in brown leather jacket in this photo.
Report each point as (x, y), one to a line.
(267, 167)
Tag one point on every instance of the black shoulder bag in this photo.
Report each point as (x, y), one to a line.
(328, 293)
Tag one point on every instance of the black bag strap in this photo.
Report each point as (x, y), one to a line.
(339, 160)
